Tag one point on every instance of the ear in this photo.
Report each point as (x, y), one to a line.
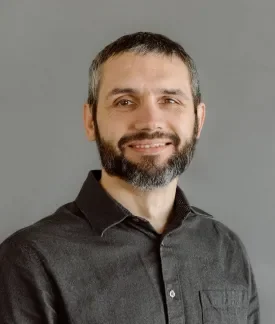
(201, 111)
(88, 122)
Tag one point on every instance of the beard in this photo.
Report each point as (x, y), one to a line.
(147, 174)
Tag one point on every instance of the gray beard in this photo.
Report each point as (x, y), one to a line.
(146, 175)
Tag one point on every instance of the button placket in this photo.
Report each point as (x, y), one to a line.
(172, 283)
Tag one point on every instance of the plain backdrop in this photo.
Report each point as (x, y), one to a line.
(46, 48)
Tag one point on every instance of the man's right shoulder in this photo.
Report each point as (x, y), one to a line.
(64, 222)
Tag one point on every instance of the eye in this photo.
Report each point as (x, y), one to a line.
(124, 102)
(170, 101)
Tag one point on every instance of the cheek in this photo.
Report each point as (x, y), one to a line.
(185, 128)
(110, 130)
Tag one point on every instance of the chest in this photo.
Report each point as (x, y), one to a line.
(146, 281)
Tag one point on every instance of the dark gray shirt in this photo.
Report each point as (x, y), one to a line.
(92, 261)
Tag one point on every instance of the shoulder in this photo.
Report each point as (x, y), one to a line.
(219, 240)
(49, 231)
(212, 227)
(199, 211)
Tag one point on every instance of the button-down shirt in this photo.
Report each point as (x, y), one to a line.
(92, 261)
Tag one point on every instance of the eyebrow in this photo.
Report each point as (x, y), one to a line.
(175, 92)
(117, 91)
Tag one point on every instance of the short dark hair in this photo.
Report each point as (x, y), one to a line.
(141, 43)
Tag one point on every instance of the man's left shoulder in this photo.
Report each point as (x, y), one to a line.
(216, 228)
(199, 211)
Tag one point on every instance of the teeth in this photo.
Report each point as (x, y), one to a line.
(148, 146)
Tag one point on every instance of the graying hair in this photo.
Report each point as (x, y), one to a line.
(141, 43)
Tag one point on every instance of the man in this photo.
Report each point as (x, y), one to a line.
(130, 248)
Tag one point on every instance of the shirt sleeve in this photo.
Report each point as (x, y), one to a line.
(253, 316)
(254, 305)
(26, 294)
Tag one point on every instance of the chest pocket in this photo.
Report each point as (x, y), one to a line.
(224, 306)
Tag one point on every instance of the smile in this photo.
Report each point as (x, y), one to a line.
(150, 148)
(149, 145)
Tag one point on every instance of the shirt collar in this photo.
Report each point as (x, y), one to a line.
(102, 211)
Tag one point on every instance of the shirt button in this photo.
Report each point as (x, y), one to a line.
(172, 294)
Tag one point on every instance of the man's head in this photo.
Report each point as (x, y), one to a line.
(144, 109)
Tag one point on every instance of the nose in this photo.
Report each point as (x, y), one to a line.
(149, 117)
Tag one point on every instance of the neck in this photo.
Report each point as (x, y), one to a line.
(156, 206)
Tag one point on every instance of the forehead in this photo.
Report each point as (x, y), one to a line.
(145, 72)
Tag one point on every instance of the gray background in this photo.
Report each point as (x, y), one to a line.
(46, 49)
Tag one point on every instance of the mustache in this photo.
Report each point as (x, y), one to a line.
(148, 136)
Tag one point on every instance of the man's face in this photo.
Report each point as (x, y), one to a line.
(146, 128)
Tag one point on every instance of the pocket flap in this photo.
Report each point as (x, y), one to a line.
(224, 306)
(223, 298)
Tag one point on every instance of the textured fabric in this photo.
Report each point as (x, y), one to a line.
(92, 261)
